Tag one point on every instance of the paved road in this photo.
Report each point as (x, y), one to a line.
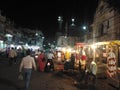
(40, 80)
(44, 81)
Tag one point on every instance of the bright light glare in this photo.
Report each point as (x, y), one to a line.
(73, 20)
(59, 18)
(19, 47)
(84, 27)
(8, 35)
(63, 49)
(93, 46)
(1, 41)
(26, 45)
(12, 45)
(36, 34)
(69, 50)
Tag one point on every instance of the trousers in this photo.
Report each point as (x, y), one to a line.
(27, 77)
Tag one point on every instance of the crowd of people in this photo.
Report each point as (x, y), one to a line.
(28, 62)
(39, 63)
(87, 67)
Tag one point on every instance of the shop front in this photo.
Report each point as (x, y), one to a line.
(107, 56)
(80, 54)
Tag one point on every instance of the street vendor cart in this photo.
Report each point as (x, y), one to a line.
(108, 60)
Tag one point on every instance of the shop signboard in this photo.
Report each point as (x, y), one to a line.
(111, 64)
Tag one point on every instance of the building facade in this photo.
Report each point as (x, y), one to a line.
(106, 29)
(106, 24)
(10, 35)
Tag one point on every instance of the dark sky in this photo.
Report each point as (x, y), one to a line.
(42, 14)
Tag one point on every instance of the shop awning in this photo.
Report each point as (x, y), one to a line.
(112, 43)
(116, 42)
(80, 44)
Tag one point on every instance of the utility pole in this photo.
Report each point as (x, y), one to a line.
(66, 30)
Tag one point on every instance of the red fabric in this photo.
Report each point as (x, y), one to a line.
(83, 57)
(41, 63)
(77, 57)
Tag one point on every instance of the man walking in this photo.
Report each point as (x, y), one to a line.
(26, 65)
(93, 70)
(12, 55)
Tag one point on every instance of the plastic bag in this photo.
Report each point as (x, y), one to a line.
(20, 77)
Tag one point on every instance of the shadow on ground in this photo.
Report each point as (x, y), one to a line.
(5, 83)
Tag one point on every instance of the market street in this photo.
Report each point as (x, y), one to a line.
(43, 81)
(40, 80)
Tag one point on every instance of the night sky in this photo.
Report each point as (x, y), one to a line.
(43, 14)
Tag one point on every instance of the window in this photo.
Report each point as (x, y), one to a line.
(108, 24)
(101, 29)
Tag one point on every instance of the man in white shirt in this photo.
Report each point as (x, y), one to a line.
(12, 55)
(26, 65)
(50, 57)
(93, 70)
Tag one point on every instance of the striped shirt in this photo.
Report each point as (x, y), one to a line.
(27, 62)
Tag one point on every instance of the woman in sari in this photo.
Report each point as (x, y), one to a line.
(41, 61)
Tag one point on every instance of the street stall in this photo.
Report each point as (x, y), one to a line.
(80, 54)
(113, 64)
(63, 56)
(64, 51)
(107, 56)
